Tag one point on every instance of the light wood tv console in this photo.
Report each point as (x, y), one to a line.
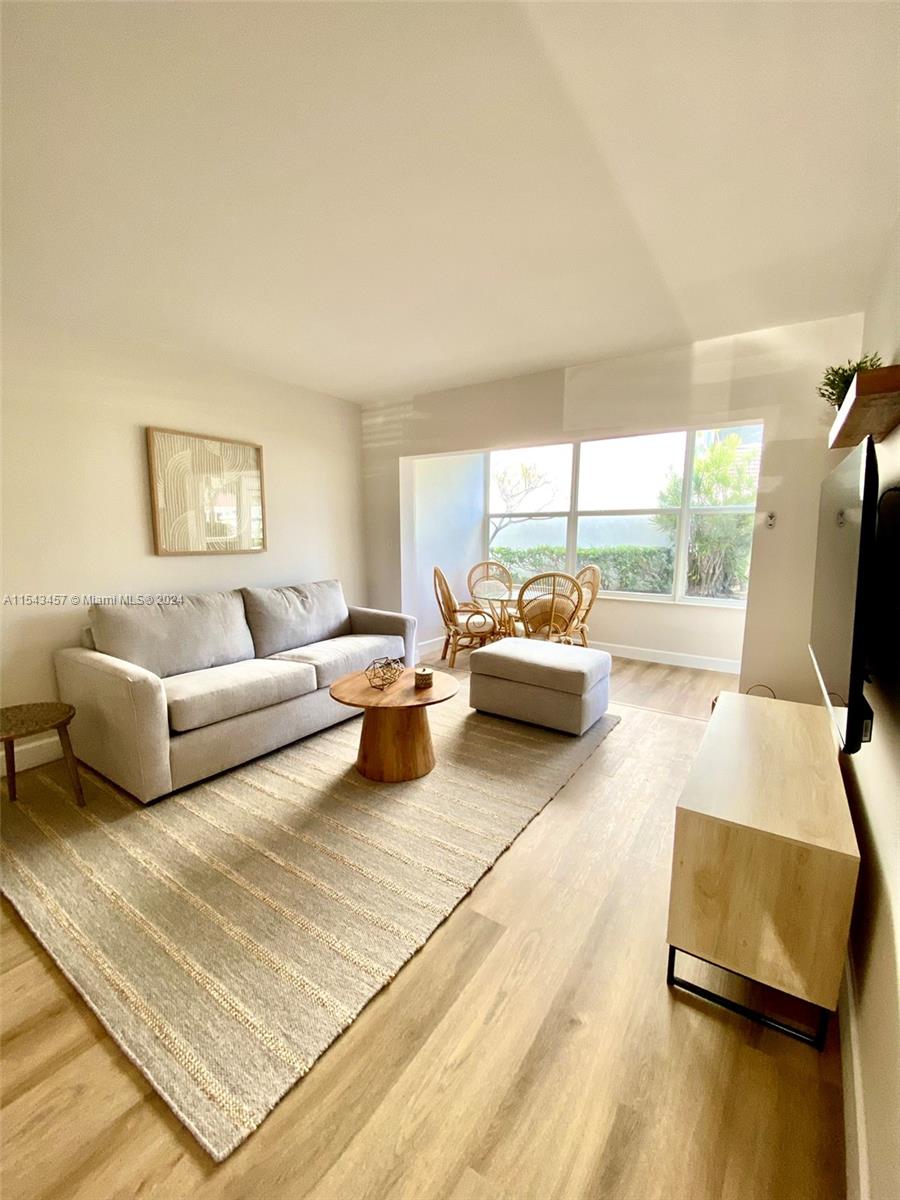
(765, 858)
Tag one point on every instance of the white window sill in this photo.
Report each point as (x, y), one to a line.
(669, 601)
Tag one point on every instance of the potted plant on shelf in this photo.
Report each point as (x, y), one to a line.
(836, 380)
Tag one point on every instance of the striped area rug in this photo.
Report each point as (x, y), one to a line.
(227, 934)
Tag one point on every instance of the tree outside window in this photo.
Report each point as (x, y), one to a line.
(725, 475)
(529, 501)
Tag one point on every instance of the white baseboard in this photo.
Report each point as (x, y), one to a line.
(428, 644)
(856, 1145)
(730, 666)
(35, 752)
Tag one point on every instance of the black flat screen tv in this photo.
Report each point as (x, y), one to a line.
(842, 598)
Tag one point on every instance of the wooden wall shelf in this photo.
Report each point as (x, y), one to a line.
(871, 406)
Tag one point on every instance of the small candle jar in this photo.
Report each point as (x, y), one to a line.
(424, 677)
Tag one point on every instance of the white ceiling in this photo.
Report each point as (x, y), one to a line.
(371, 199)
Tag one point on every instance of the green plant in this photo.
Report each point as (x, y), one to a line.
(837, 380)
(622, 568)
(525, 561)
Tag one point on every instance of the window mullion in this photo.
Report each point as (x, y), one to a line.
(486, 537)
(543, 515)
(684, 518)
(722, 508)
(572, 520)
(629, 512)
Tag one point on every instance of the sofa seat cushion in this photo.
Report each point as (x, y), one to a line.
(200, 698)
(553, 665)
(282, 618)
(205, 630)
(341, 655)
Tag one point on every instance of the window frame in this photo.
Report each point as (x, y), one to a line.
(682, 515)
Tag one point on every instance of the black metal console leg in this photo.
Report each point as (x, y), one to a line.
(816, 1039)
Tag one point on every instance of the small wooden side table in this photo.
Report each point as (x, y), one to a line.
(25, 720)
(395, 743)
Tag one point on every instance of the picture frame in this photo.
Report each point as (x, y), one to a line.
(207, 493)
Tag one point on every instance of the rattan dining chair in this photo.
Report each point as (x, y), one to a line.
(492, 576)
(464, 627)
(549, 605)
(589, 578)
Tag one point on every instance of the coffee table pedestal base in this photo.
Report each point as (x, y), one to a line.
(395, 745)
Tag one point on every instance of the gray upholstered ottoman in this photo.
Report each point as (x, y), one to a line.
(545, 683)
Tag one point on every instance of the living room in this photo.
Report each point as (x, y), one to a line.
(308, 307)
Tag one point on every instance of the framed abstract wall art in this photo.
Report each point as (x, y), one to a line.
(206, 494)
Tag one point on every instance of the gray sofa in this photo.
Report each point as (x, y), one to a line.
(169, 694)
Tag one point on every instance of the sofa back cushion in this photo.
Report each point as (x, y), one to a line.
(283, 618)
(207, 630)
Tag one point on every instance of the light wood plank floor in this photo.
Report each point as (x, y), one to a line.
(677, 690)
(530, 1051)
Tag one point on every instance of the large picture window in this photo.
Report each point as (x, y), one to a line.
(666, 515)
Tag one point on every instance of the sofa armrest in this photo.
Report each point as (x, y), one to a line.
(121, 725)
(375, 620)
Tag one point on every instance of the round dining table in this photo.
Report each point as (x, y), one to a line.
(502, 603)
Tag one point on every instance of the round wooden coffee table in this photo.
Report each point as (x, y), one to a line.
(25, 720)
(395, 743)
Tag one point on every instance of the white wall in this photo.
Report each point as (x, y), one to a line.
(76, 516)
(443, 526)
(687, 635)
(766, 374)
